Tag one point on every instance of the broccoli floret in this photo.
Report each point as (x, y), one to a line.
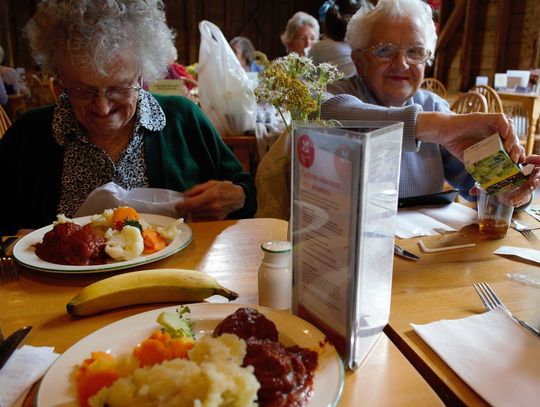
(175, 324)
(134, 223)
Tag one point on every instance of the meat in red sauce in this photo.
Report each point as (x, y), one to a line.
(248, 323)
(72, 244)
(285, 373)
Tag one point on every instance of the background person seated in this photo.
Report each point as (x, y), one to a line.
(301, 32)
(334, 17)
(244, 50)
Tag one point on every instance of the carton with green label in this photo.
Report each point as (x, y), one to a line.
(491, 166)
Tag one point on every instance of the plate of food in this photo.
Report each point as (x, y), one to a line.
(289, 358)
(116, 239)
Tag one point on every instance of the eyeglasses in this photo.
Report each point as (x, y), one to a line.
(388, 51)
(114, 93)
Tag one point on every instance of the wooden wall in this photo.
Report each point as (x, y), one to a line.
(261, 21)
(483, 37)
(478, 37)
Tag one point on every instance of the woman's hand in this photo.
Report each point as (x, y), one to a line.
(211, 200)
(524, 194)
(457, 132)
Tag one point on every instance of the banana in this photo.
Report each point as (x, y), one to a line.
(144, 287)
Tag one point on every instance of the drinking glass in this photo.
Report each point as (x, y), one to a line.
(495, 211)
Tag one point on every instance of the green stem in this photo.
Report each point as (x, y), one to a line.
(289, 128)
(319, 97)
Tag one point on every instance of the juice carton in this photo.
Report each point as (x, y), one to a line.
(491, 166)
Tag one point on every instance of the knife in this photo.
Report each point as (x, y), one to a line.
(404, 253)
(8, 346)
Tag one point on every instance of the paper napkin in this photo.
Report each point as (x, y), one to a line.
(25, 367)
(427, 221)
(143, 200)
(492, 353)
(523, 252)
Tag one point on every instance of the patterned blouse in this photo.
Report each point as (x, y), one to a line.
(87, 167)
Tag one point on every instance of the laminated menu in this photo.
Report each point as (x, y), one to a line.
(344, 205)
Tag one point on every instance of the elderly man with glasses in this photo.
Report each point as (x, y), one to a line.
(106, 128)
(391, 45)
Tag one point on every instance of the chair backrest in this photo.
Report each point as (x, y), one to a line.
(5, 123)
(493, 99)
(470, 102)
(435, 86)
(54, 87)
(40, 91)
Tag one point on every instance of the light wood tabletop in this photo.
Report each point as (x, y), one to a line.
(229, 251)
(439, 286)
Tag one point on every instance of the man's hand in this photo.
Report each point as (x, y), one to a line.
(211, 200)
(457, 132)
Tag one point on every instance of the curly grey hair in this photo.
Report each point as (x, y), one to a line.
(94, 33)
(361, 24)
(299, 19)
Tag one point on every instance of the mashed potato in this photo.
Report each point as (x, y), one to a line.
(212, 377)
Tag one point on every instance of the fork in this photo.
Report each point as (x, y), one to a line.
(525, 230)
(492, 301)
(9, 269)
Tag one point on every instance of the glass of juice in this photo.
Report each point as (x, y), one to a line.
(495, 211)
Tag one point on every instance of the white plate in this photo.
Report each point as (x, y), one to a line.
(120, 337)
(25, 253)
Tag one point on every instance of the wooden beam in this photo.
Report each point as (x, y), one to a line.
(446, 36)
(467, 44)
(192, 29)
(501, 37)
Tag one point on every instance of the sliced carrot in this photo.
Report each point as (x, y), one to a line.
(123, 213)
(95, 373)
(153, 241)
(160, 346)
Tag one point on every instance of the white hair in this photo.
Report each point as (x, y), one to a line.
(361, 24)
(95, 33)
(299, 19)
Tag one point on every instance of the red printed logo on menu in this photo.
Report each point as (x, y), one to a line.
(306, 151)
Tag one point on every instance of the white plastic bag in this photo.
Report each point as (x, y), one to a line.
(225, 91)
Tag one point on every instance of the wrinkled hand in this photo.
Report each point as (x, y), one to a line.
(456, 132)
(211, 200)
(523, 195)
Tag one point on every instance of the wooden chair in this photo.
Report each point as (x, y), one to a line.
(435, 86)
(5, 122)
(492, 97)
(40, 91)
(470, 102)
(54, 87)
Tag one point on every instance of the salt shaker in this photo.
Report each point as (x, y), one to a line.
(275, 275)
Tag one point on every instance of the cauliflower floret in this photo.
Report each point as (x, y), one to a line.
(125, 244)
(103, 219)
(170, 231)
(61, 218)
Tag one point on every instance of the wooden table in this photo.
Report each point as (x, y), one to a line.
(439, 286)
(229, 251)
(531, 103)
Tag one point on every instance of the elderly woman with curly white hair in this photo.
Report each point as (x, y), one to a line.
(106, 128)
(301, 32)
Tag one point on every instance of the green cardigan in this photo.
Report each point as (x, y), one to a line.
(187, 152)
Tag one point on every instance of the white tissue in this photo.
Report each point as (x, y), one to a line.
(143, 200)
(25, 367)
